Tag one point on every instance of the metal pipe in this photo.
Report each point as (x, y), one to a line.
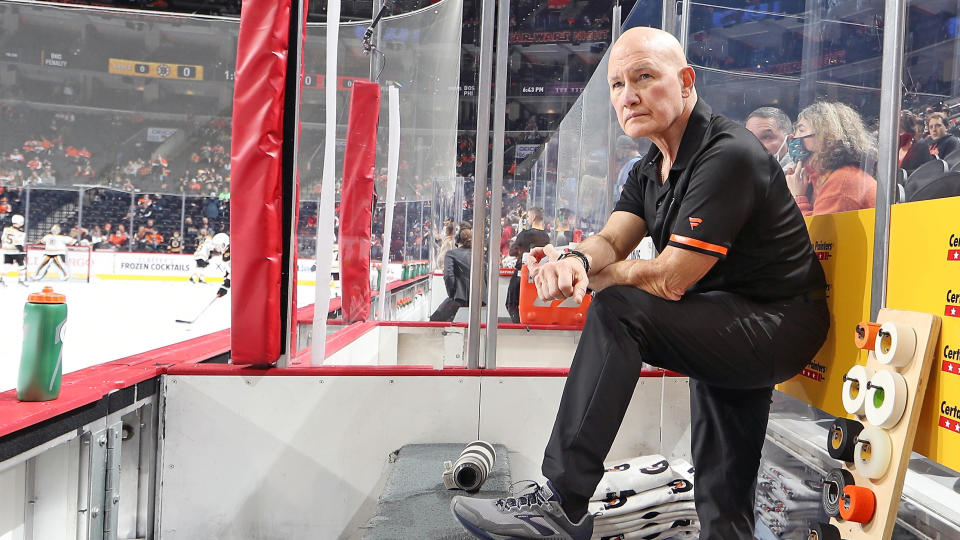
(894, 17)
(684, 25)
(480, 183)
(496, 184)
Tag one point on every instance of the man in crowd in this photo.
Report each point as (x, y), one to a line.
(735, 300)
(773, 127)
(526, 240)
(942, 143)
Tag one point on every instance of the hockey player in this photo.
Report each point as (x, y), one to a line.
(55, 252)
(208, 250)
(14, 253)
(221, 243)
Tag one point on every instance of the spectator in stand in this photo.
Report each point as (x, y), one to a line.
(140, 239)
(119, 237)
(627, 156)
(153, 240)
(942, 143)
(447, 243)
(96, 237)
(505, 236)
(830, 144)
(175, 244)
(773, 127)
(913, 150)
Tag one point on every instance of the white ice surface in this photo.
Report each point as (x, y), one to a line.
(108, 319)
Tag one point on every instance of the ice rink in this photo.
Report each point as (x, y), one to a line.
(111, 319)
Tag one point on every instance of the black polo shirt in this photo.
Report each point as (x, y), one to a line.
(727, 197)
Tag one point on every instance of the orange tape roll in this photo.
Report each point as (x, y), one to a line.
(865, 335)
(857, 504)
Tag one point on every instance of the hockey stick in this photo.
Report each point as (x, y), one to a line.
(199, 314)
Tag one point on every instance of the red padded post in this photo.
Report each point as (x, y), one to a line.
(256, 180)
(356, 200)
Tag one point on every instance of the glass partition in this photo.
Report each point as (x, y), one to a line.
(116, 128)
(928, 154)
(799, 69)
(417, 52)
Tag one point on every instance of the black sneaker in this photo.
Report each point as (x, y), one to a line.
(535, 514)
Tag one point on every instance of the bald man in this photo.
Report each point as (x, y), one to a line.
(735, 301)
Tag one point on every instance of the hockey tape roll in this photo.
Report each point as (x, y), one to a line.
(857, 504)
(895, 344)
(855, 389)
(833, 485)
(865, 334)
(823, 531)
(886, 398)
(872, 455)
(842, 438)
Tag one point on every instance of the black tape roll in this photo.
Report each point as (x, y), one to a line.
(823, 531)
(833, 486)
(842, 438)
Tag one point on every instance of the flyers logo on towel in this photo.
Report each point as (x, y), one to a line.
(680, 486)
(615, 468)
(616, 500)
(656, 468)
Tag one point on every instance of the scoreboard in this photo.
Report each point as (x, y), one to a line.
(157, 70)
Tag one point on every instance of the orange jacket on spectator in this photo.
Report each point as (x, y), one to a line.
(846, 188)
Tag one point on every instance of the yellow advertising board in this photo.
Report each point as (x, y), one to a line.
(924, 275)
(844, 244)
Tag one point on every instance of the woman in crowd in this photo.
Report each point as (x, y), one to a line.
(914, 151)
(829, 145)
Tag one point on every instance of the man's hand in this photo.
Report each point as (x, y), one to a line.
(556, 280)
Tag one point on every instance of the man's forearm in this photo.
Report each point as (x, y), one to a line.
(599, 251)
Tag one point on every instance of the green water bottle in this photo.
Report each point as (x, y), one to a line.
(41, 366)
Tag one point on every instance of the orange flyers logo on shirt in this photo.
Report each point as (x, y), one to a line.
(694, 221)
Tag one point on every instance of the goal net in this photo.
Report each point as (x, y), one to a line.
(78, 263)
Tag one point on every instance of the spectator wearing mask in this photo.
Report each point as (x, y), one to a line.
(773, 127)
(830, 143)
(942, 143)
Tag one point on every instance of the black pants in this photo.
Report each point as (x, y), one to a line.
(733, 349)
(447, 310)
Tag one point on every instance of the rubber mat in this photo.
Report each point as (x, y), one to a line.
(414, 503)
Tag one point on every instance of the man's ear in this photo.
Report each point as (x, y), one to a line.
(687, 78)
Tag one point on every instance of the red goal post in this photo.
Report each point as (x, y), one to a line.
(79, 262)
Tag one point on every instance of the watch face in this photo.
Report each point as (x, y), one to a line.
(163, 70)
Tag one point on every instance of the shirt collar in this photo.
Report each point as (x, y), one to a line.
(691, 141)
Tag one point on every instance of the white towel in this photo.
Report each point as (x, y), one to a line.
(670, 530)
(650, 513)
(642, 522)
(637, 474)
(626, 502)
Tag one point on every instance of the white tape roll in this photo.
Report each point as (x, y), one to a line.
(886, 398)
(855, 389)
(895, 344)
(872, 454)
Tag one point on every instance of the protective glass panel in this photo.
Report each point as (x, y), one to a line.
(929, 148)
(807, 70)
(418, 52)
(116, 129)
(565, 182)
